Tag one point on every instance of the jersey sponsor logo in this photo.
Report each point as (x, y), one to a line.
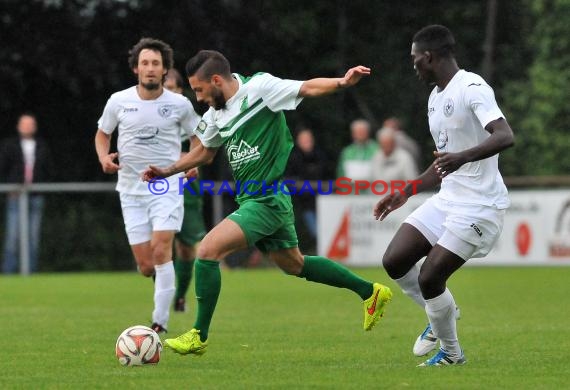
(201, 127)
(475, 84)
(165, 110)
(477, 230)
(243, 153)
(146, 135)
(442, 140)
(448, 107)
(129, 109)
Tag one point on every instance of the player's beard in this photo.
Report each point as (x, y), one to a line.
(219, 100)
(150, 86)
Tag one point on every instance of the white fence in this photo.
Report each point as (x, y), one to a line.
(536, 231)
(24, 191)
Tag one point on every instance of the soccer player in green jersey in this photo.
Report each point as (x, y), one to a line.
(246, 117)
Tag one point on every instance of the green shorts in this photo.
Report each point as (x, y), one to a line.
(268, 222)
(193, 228)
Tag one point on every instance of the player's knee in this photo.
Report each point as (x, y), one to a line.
(160, 252)
(206, 250)
(186, 252)
(430, 284)
(391, 265)
(146, 269)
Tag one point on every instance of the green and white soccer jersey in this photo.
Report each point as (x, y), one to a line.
(257, 141)
(253, 131)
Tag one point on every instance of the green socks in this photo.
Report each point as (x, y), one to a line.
(208, 286)
(322, 270)
(183, 271)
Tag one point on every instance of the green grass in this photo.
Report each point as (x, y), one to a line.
(273, 331)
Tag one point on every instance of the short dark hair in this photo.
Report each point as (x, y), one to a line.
(437, 39)
(207, 63)
(29, 114)
(151, 44)
(174, 74)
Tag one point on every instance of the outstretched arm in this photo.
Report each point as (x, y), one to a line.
(324, 86)
(199, 155)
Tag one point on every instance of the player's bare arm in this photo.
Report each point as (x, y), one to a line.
(102, 146)
(324, 86)
(200, 155)
(194, 143)
(428, 180)
(501, 138)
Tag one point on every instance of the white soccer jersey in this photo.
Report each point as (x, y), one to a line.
(149, 133)
(457, 119)
(254, 94)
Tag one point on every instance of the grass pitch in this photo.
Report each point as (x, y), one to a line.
(274, 331)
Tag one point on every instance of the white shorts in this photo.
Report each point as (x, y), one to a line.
(144, 214)
(468, 230)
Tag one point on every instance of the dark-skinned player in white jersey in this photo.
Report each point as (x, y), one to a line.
(465, 218)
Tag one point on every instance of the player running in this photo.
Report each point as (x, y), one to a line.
(465, 218)
(246, 117)
(149, 120)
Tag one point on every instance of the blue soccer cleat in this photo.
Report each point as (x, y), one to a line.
(442, 358)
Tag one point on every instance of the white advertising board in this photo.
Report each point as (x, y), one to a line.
(536, 230)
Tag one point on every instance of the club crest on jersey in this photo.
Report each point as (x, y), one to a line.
(442, 140)
(242, 153)
(448, 107)
(165, 110)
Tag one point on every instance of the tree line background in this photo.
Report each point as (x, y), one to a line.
(62, 59)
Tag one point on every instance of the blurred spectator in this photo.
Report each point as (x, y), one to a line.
(24, 159)
(174, 81)
(355, 159)
(392, 162)
(403, 140)
(307, 162)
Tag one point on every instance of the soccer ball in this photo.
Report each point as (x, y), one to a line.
(138, 345)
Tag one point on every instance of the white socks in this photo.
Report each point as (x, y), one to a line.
(164, 289)
(410, 286)
(441, 312)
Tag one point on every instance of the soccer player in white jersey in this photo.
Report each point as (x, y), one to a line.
(246, 118)
(149, 120)
(465, 218)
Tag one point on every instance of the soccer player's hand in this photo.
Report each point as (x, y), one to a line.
(152, 172)
(108, 163)
(354, 75)
(446, 163)
(191, 173)
(388, 204)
